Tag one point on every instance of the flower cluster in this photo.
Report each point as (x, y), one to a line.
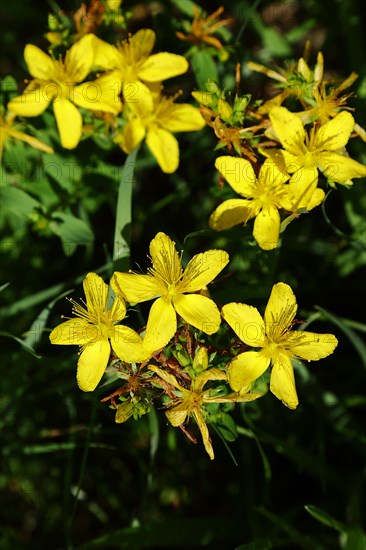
(129, 90)
(286, 150)
(171, 354)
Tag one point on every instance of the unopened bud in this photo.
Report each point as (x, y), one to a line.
(225, 111)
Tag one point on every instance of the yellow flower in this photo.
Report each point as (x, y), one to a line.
(131, 64)
(95, 329)
(303, 155)
(156, 117)
(265, 195)
(8, 130)
(176, 290)
(191, 401)
(55, 81)
(277, 342)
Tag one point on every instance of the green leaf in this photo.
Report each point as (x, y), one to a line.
(122, 237)
(354, 539)
(285, 525)
(154, 433)
(227, 427)
(35, 331)
(21, 342)
(56, 447)
(275, 44)
(203, 66)
(8, 89)
(323, 517)
(356, 341)
(296, 34)
(193, 532)
(17, 202)
(72, 231)
(185, 6)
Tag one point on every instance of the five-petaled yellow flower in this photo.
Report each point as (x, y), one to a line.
(156, 117)
(95, 329)
(265, 195)
(55, 81)
(130, 65)
(303, 155)
(176, 289)
(277, 342)
(191, 402)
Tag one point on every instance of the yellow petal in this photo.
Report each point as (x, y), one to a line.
(110, 86)
(202, 269)
(176, 417)
(74, 332)
(340, 168)
(117, 310)
(204, 432)
(161, 325)
(232, 212)
(165, 258)
(34, 142)
(167, 377)
(79, 58)
(92, 364)
(139, 99)
(239, 174)
(106, 56)
(97, 96)
(280, 311)
(246, 322)
(282, 383)
(69, 123)
(137, 288)
(266, 229)
(40, 64)
(316, 198)
(182, 118)
(291, 162)
(201, 380)
(164, 147)
(237, 397)
(128, 345)
(198, 311)
(289, 129)
(302, 186)
(245, 368)
(310, 345)
(142, 43)
(335, 133)
(161, 66)
(272, 173)
(131, 136)
(33, 102)
(96, 293)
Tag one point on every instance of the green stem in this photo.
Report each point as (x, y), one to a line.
(122, 231)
